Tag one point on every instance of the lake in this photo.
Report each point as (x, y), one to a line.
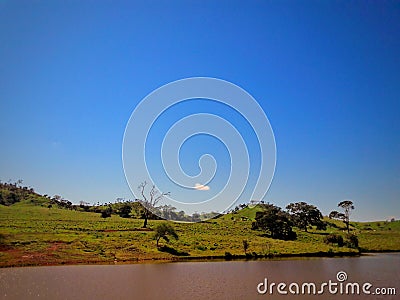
(210, 280)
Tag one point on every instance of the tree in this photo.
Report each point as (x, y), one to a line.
(347, 206)
(125, 211)
(106, 213)
(275, 222)
(150, 201)
(336, 215)
(181, 216)
(83, 203)
(164, 230)
(352, 240)
(304, 215)
(168, 212)
(195, 217)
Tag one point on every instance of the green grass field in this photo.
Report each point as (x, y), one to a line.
(37, 235)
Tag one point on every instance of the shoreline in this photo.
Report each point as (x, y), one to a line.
(216, 258)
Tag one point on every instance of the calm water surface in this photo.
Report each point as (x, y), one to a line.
(198, 280)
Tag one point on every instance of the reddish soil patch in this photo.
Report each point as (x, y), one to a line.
(54, 246)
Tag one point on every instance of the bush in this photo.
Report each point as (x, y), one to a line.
(2, 239)
(125, 211)
(352, 240)
(228, 255)
(334, 239)
(202, 248)
(106, 213)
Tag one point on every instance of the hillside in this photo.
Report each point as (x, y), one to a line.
(32, 233)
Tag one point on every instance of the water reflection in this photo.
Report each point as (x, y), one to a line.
(195, 280)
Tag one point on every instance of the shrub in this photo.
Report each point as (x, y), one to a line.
(125, 211)
(2, 239)
(334, 239)
(106, 213)
(228, 255)
(202, 248)
(352, 240)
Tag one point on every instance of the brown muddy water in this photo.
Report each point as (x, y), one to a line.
(375, 273)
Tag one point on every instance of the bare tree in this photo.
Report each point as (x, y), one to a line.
(150, 201)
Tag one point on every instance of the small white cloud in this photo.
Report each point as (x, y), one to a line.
(55, 144)
(201, 187)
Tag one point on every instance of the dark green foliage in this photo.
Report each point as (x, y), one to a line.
(106, 213)
(352, 240)
(61, 202)
(334, 239)
(304, 215)
(84, 207)
(11, 193)
(336, 215)
(228, 255)
(2, 239)
(164, 230)
(125, 211)
(275, 222)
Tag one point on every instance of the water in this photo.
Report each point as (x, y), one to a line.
(198, 280)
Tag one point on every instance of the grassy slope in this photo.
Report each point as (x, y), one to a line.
(36, 235)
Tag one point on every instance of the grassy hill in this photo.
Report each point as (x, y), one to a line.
(31, 233)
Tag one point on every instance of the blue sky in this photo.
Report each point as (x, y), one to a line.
(326, 73)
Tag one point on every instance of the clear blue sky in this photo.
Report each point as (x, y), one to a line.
(327, 74)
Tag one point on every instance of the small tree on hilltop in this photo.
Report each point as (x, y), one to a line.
(304, 215)
(150, 201)
(162, 231)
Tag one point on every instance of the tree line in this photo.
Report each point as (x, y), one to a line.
(13, 192)
(278, 223)
(273, 220)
